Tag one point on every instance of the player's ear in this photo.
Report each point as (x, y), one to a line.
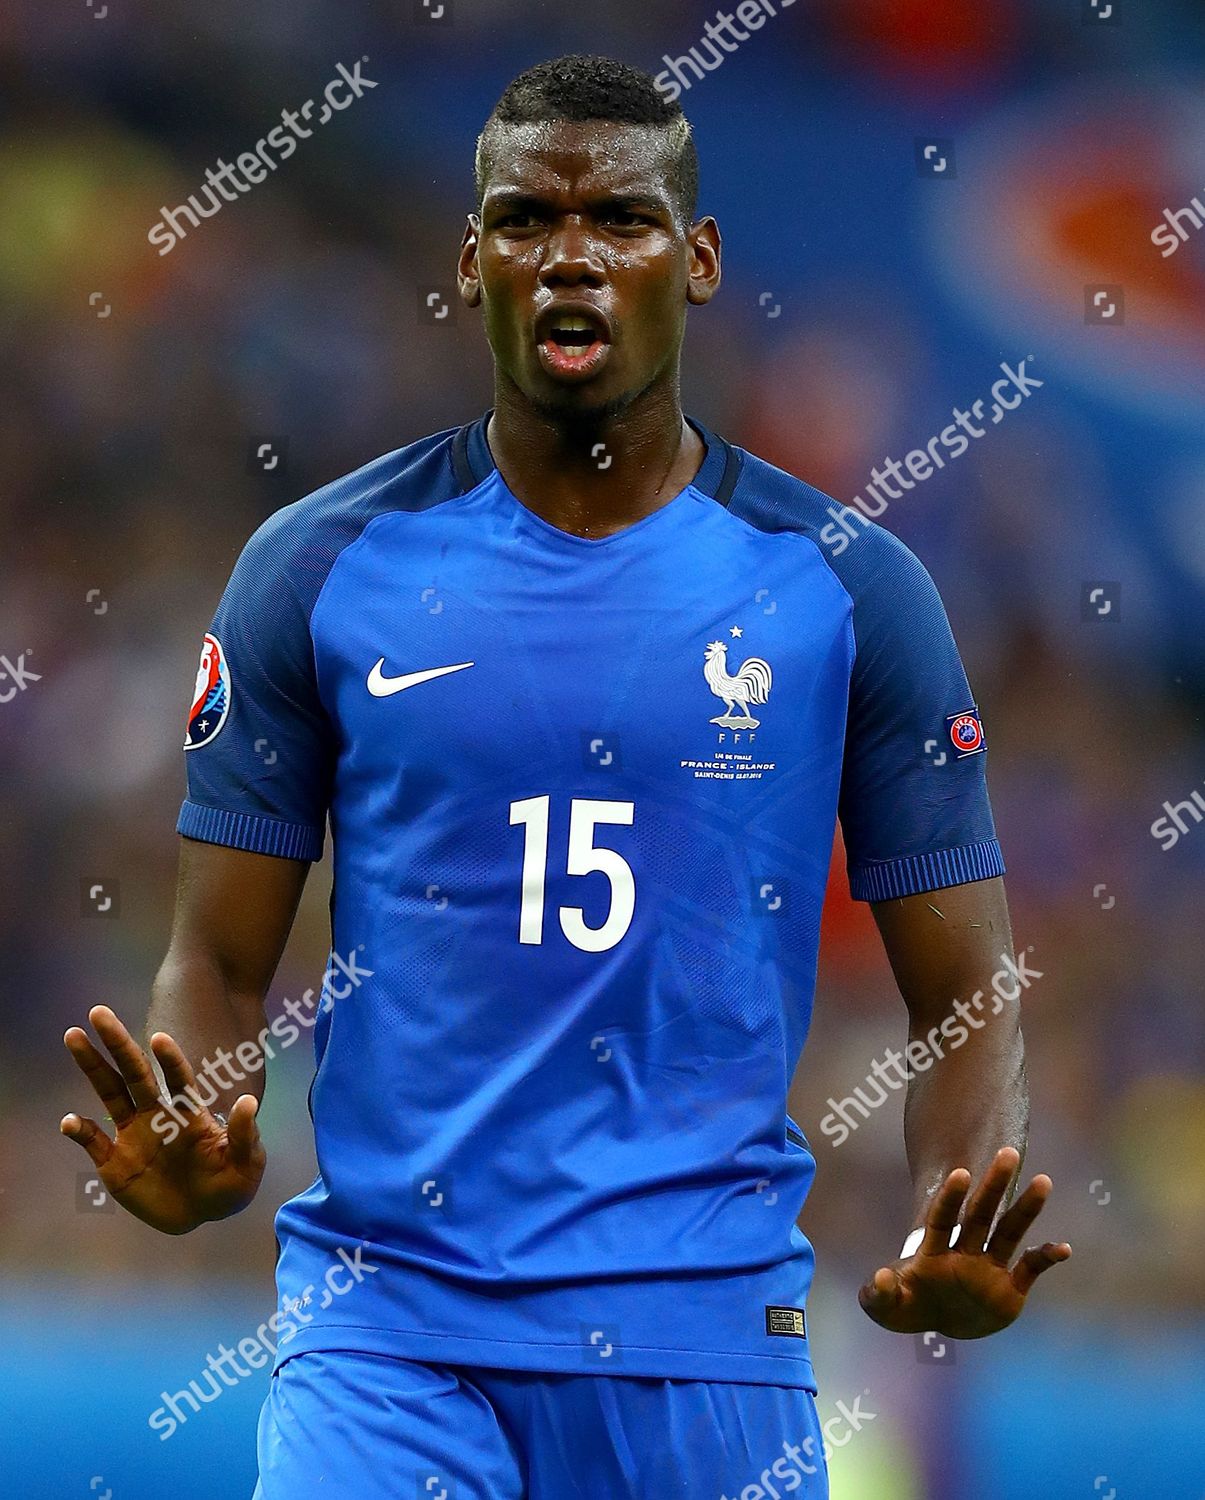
(703, 243)
(466, 269)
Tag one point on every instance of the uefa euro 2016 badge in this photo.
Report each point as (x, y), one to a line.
(211, 696)
(966, 733)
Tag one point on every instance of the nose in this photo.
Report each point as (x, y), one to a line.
(571, 257)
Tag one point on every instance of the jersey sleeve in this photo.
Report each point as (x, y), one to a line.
(914, 806)
(260, 747)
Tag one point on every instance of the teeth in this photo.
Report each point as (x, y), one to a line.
(573, 334)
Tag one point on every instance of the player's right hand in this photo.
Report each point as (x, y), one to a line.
(205, 1170)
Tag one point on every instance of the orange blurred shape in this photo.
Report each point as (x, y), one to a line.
(849, 939)
(79, 196)
(1104, 210)
(930, 41)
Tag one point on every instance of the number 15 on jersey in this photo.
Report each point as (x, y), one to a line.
(583, 857)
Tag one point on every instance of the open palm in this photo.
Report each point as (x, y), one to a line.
(966, 1290)
(178, 1175)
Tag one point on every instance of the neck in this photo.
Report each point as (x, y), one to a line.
(595, 474)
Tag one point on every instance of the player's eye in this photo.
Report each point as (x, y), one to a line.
(626, 218)
(519, 219)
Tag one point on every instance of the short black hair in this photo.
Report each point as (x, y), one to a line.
(581, 87)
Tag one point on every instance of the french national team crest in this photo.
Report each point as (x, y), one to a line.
(732, 757)
(966, 733)
(751, 684)
(211, 696)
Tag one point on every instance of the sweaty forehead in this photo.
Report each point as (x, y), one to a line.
(588, 156)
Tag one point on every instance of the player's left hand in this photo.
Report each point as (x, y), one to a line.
(967, 1290)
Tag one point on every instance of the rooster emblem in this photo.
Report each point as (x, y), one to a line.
(750, 685)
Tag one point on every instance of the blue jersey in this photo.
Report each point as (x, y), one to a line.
(582, 796)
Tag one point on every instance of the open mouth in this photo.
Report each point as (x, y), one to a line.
(572, 342)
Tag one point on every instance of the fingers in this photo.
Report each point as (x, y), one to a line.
(882, 1295)
(242, 1133)
(177, 1070)
(89, 1135)
(104, 1078)
(132, 1062)
(987, 1199)
(943, 1212)
(1016, 1223)
(1034, 1262)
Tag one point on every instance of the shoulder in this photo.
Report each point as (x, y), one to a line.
(871, 564)
(312, 531)
(286, 562)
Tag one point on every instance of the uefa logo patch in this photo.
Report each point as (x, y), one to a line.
(211, 696)
(966, 733)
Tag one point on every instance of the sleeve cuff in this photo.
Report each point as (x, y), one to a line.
(259, 835)
(886, 880)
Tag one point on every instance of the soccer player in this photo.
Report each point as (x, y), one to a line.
(582, 690)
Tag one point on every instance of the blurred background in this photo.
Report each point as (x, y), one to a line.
(911, 192)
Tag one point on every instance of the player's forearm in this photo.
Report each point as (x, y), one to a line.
(971, 1100)
(951, 951)
(217, 1028)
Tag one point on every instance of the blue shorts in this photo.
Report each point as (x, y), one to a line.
(343, 1425)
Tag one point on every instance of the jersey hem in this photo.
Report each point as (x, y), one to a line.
(255, 833)
(555, 1359)
(915, 873)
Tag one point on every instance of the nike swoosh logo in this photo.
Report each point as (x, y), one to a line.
(381, 686)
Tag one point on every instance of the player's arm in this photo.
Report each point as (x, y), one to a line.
(260, 767)
(178, 1167)
(951, 953)
(966, 1117)
(923, 852)
(234, 912)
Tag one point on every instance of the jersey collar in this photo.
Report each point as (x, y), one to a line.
(717, 476)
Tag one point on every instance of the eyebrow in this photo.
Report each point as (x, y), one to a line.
(511, 200)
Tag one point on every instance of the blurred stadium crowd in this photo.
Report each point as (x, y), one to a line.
(136, 390)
